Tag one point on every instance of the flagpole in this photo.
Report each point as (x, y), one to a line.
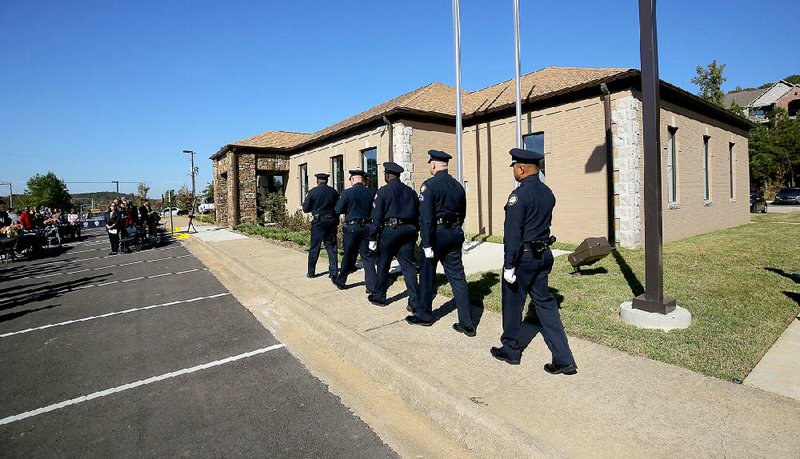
(457, 49)
(517, 74)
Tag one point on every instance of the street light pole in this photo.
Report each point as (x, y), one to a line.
(117, 183)
(193, 172)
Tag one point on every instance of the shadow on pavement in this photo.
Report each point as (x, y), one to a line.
(46, 293)
(18, 314)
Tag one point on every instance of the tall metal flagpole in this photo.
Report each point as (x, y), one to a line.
(517, 74)
(457, 49)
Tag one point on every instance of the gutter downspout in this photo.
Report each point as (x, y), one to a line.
(390, 127)
(612, 233)
(235, 195)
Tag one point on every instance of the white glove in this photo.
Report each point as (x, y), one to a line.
(509, 276)
(373, 245)
(428, 252)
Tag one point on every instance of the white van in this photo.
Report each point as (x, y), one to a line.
(206, 206)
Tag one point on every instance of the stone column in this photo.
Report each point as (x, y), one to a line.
(403, 151)
(627, 149)
(247, 189)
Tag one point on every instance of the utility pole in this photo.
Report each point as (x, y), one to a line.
(117, 183)
(10, 194)
(193, 173)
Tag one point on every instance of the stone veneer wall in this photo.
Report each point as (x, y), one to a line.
(247, 189)
(625, 116)
(401, 143)
(221, 165)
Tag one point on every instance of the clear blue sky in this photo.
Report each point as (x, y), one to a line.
(113, 90)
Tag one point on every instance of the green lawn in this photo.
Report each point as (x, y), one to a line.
(737, 284)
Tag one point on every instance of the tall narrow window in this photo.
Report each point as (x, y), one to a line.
(730, 170)
(706, 178)
(672, 169)
(337, 173)
(535, 142)
(369, 163)
(303, 182)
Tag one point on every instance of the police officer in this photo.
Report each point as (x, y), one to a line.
(394, 233)
(356, 204)
(528, 262)
(442, 208)
(321, 203)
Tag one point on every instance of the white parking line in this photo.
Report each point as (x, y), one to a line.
(78, 260)
(106, 267)
(109, 314)
(142, 382)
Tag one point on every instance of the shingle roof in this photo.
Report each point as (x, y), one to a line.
(539, 84)
(273, 139)
(742, 98)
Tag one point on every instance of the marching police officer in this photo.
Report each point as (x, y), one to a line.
(442, 208)
(394, 233)
(528, 262)
(356, 204)
(321, 203)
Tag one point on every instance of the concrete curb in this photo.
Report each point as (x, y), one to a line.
(483, 433)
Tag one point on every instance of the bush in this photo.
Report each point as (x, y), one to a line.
(301, 237)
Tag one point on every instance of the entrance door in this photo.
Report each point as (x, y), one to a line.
(270, 196)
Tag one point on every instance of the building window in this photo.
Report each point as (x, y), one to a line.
(730, 170)
(337, 172)
(672, 168)
(706, 178)
(369, 163)
(303, 182)
(535, 142)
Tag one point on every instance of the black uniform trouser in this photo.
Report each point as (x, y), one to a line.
(446, 244)
(114, 239)
(356, 241)
(397, 242)
(532, 273)
(323, 230)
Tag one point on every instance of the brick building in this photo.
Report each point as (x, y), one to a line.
(595, 173)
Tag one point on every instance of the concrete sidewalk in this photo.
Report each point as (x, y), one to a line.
(617, 405)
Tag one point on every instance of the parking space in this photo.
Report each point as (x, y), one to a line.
(147, 353)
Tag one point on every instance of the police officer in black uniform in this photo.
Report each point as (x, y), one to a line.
(528, 262)
(393, 232)
(356, 205)
(442, 208)
(320, 202)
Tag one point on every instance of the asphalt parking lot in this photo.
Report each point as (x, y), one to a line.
(148, 354)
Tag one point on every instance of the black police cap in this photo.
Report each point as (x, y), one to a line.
(322, 176)
(438, 155)
(357, 172)
(392, 168)
(518, 155)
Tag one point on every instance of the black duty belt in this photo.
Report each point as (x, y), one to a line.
(318, 216)
(395, 222)
(449, 219)
(538, 245)
(358, 221)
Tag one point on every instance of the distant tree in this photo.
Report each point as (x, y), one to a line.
(765, 86)
(184, 198)
(793, 79)
(710, 82)
(209, 190)
(736, 108)
(775, 152)
(141, 193)
(47, 190)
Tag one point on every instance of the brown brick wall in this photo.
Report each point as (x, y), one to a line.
(429, 136)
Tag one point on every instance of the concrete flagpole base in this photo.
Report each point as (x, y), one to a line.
(678, 319)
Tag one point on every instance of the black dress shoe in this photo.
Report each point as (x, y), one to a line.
(554, 369)
(469, 331)
(409, 308)
(338, 284)
(376, 301)
(500, 355)
(310, 275)
(414, 320)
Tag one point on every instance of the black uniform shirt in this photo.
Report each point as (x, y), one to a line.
(393, 200)
(529, 211)
(355, 202)
(440, 196)
(321, 200)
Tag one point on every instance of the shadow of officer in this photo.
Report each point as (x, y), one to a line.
(527, 264)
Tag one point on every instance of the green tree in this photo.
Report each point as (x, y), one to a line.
(736, 108)
(209, 190)
(141, 193)
(47, 190)
(775, 152)
(793, 79)
(184, 198)
(710, 82)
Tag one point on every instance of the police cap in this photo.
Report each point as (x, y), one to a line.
(518, 155)
(357, 172)
(322, 176)
(437, 155)
(392, 168)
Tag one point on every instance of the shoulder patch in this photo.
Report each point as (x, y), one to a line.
(512, 199)
(424, 187)
(421, 197)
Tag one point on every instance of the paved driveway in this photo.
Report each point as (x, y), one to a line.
(148, 354)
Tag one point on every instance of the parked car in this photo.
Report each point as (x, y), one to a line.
(183, 212)
(787, 196)
(758, 203)
(169, 211)
(206, 206)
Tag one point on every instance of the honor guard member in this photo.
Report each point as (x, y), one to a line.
(442, 208)
(527, 263)
(394, 233)
(321, 203)
(356, 205)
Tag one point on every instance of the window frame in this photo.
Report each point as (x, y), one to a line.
(731, 174)
(672, 165)
(373, 182)
(303, 178)
(337, 175)
(706, 168)
(532, 135)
